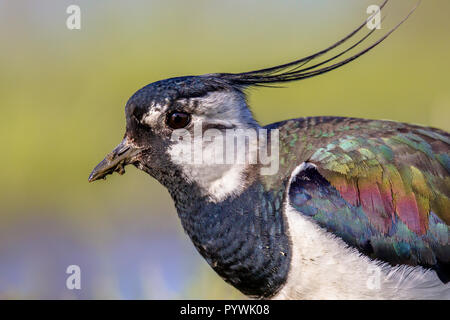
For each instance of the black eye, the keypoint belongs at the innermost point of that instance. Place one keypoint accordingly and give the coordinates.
(177, 120)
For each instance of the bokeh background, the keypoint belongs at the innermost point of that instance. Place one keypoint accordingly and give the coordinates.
(62, 98)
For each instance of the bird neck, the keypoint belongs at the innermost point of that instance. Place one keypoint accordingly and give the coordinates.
(243, 238)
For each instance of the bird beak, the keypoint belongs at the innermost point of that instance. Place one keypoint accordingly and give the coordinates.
(122, 155)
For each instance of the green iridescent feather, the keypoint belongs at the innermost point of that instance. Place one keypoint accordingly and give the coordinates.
(385, 184)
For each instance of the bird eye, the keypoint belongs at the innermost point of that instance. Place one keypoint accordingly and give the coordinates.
(177, 120)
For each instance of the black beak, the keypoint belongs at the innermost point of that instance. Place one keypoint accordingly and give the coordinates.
(122, 155)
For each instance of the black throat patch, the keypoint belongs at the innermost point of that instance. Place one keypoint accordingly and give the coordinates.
(244, 239)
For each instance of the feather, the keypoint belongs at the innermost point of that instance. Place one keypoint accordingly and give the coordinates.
(378, 185)
(295, 70)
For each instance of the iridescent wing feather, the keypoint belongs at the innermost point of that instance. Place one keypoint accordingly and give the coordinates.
(383, 187)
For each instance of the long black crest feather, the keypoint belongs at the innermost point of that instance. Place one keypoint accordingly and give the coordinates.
(295, 70)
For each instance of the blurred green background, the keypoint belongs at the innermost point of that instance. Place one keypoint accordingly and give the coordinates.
(62, 98)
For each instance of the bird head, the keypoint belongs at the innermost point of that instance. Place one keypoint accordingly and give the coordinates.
(161, 111)
(157, 113)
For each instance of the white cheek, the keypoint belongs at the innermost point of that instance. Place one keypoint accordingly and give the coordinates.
(180, 151)
(218, 181)
(230, 183)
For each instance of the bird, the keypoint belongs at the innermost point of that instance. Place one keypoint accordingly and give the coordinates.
(353, 208)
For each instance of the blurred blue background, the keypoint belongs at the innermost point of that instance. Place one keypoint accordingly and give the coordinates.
(62, 96)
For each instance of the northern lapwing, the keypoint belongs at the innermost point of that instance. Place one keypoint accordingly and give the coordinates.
(354, 208)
